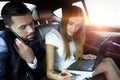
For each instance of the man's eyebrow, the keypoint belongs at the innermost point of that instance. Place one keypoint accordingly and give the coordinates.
(22, 26)
(26, 24)
(32, 21)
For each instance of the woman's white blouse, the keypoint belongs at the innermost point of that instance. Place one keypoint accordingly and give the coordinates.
(54, 38)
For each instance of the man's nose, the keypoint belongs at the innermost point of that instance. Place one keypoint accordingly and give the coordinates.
(30, 28)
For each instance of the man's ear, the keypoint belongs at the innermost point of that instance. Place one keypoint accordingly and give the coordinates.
(7, 26)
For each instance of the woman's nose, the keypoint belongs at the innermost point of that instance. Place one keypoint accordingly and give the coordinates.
(73, 28)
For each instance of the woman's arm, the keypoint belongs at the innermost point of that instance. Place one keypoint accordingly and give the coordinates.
(50, 51)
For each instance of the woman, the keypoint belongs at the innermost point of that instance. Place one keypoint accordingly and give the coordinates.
(65, 46)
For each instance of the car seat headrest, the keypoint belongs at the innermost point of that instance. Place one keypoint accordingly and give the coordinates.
(44, 15)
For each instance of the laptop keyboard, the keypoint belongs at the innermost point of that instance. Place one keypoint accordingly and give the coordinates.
(86, 65)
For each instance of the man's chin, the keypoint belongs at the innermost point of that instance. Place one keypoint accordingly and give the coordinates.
(30, 39)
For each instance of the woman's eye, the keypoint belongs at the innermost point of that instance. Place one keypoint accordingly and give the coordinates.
(70, 23)
(78, 25)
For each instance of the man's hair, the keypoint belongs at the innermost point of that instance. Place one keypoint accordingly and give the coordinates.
(13, 8)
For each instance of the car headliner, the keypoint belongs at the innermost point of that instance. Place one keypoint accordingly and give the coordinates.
(48, 4)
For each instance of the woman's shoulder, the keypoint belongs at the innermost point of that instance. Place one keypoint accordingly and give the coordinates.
(53, 37)
(53, 33)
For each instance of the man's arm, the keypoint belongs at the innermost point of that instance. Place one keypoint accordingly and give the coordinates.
(34, 64)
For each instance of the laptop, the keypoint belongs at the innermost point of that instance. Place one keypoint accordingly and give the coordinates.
(83, 65)
(86, 65)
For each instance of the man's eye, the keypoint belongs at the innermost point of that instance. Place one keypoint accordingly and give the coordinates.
(22, 27)
(32, 23)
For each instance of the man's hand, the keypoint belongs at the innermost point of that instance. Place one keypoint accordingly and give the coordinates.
(24, 51)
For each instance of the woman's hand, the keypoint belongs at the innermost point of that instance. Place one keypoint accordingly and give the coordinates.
(65, 71)
(89, 56)
(65, 75)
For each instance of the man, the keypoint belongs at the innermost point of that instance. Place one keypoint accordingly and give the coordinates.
(21, 52)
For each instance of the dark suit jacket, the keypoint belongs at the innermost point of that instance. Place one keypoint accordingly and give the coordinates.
(12, 66)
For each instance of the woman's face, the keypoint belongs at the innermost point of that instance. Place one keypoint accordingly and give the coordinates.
(74, 24)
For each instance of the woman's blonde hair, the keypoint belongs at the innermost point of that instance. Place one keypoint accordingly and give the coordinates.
(79, 37)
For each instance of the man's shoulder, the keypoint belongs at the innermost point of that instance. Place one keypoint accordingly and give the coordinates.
(2, 33)
(3, 44)
(4, 38)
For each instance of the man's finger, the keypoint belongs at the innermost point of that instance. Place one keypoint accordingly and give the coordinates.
(19, 43)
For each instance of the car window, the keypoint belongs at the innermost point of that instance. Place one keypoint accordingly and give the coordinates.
(104, 12)
(80, 4)
(58, 12)
(101, 12)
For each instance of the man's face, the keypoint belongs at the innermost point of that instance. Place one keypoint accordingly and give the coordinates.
(23, 26)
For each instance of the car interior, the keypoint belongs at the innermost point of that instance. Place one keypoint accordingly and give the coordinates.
(100, 38)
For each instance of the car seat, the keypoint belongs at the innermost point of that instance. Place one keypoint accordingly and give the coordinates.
(47, 21)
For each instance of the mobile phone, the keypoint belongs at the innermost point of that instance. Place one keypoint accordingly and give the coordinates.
(74, 74)
(15, 35)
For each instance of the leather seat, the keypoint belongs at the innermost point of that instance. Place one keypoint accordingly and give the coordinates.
(46, 16)
(48, 21)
